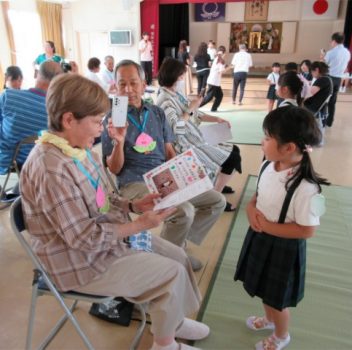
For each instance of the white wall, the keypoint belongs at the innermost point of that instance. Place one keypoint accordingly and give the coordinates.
(86, 29)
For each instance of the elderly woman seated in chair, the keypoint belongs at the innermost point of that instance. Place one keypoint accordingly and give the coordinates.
(221, 162)
(82, 233)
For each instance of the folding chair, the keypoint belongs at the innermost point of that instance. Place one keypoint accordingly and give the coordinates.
(13, 167)
(42, 285)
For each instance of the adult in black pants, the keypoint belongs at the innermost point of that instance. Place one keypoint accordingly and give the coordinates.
(203, 67)
(337, 59)
(241, 61)
(214, 80)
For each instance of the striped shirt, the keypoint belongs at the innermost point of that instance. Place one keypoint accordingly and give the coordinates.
(22, 114)
(73, 240)
(174, 105)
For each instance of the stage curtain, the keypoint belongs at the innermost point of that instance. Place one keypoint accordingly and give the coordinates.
(51, 24)
(5, 8)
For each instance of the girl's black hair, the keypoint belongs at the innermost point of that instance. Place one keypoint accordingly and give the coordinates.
(170, 70)
(14, 73)
(276, 64)
(308, 63)
(296, 125)
(293, 83)
(322, 66)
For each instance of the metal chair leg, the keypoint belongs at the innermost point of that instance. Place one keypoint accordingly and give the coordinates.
(141, 327)
(31, 317)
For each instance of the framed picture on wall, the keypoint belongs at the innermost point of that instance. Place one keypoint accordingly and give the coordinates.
(260, 37)
(256, 10)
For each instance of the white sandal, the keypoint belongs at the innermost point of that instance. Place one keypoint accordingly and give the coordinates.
(252, 322)
(273, 343)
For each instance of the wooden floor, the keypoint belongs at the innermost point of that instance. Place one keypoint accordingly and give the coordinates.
(334, 161)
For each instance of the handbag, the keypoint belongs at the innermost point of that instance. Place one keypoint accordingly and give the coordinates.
(117, 310)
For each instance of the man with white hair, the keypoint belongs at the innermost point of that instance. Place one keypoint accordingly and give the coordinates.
(241, 61)
(107, 74)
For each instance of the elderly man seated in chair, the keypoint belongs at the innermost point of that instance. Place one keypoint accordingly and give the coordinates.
(193, 219)
(22, 114)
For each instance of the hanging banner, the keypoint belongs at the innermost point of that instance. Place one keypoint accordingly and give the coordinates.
(209, 11)
(150, 24)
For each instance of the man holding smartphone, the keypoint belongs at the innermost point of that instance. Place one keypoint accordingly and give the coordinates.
(126, 158)
(146, 50)
(337, 59)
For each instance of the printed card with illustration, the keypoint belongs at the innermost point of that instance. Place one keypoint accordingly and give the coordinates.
(178, 180)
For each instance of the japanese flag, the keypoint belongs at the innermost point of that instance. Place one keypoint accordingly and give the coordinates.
(320, 9)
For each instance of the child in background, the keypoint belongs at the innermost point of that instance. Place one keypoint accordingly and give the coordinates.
(289, 89)
(283, 213)
(214, 80)
(13, 78)
(272, 79)
(306, 70)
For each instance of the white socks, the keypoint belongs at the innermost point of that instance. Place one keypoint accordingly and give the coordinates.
(192, 330)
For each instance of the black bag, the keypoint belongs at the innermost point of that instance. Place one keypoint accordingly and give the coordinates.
(118, 310)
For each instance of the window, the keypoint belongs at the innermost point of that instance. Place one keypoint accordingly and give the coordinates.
(28, 42)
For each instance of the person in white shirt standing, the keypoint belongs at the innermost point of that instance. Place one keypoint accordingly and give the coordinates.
(146, 50)
(211, 50)
(337, 59)
(241, 61)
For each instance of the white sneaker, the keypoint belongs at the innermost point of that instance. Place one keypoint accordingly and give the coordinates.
(192, 330)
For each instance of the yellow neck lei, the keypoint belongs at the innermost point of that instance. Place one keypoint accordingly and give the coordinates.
(62, 144)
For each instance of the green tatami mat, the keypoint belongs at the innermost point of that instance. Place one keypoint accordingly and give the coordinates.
(323, 319)
(246, 126)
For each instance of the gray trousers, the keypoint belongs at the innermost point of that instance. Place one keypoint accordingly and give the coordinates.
(163, 279)
(239, 79)
(192, 220)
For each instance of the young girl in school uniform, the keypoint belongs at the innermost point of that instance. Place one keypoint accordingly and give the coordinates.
(289, 88)
(282, 214)
(272, 79)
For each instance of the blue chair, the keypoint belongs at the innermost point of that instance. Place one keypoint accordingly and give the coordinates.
(42, 285)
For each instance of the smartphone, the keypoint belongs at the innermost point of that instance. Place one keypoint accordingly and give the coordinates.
(119, 110)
